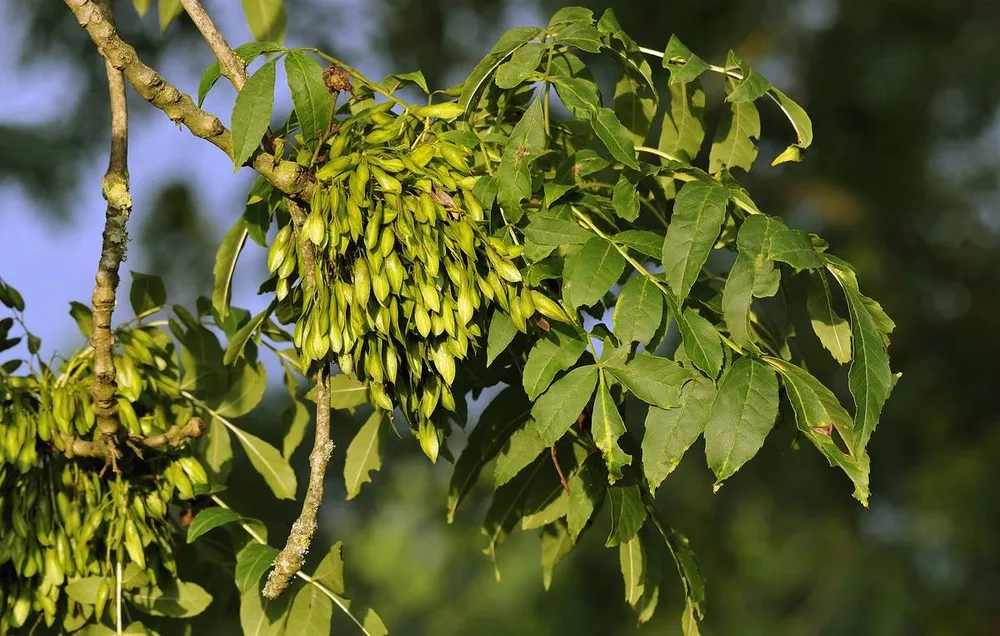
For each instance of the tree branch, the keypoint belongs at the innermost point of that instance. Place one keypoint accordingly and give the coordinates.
(287, 176)
(230, 64)
(289, 561)
(172, 438)
(115, 188)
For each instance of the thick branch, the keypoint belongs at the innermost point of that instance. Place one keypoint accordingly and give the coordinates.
(305, 245)
(286, 176)
(115, 187)
(289, 561)
(230, 64)
(172, 438)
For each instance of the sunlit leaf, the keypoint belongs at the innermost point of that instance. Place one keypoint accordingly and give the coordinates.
(364, 454)
(252, 112)
(669, 433)
(699, 211)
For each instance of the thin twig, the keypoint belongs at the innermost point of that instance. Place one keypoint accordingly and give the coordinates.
(230, 64)
(290, 560)
(559, 470)
(172, 438)
(115, 187)
(287, 176)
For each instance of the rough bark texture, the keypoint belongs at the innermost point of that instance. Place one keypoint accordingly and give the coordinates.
(173, 437)
(289, 561)
(286, 176)
(230, 64)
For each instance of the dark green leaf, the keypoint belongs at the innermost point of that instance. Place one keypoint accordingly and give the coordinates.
(504, 47)
(176, 599)
(582, 35)
(225, 266)
(734, 143)
(248, 382)
(260, 616)
(147, 294)
(687, 567)
(556, 410)
(507, 506)
(548, 230)
(742, 415)
(209, 519)
(310, 96)
(505, 414)
(83, 317)
(701, 341)
(310, 613)
(234, 350)
(251, 563)
(699, 212)
(527, 140)
(645, 242)
(579, 95)
(834, 332)
(521, 449)
(683, 129)
(572, 14)
(606, 427)
(635, 104)
(252, 112)
(654, 380)
(590, 272)
(216, 449)
(628, 513)
(751, 267)
(795, 248)
(10, 297)
(615, 136)
(520, 66)
(501, 333)
(626, 195)
(294, 421)
(561, 347)
(639, 310)
(247, 52)
(670, 433)
(364, 454)
(870, 378)
(330, 571)
(267, 461)
(266, 19)
(556, 543)
(587, 488)
(395, 80)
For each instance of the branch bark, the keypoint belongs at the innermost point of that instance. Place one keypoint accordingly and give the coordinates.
(230, 64)
(115, 187)
(287, 176)
(289, 561)
(98, 449)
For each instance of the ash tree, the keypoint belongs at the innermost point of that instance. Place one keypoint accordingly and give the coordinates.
(520, 230)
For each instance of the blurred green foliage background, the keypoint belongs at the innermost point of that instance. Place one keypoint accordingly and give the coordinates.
(902, 179)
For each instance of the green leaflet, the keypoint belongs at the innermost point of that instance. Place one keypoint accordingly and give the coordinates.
(870, 378)
(225, 265)
(614, 135)
(506, 45)
(520, 66)
(639, 560)
(800, 122)
(310, 96)
(834, 332)
(701, 341)
(795, 248)
(628, 513)
(556, 543)
(507, 507)
(748, 89)
(260, 616)
(669, 433)
(683, 129)
(587, 488)
(579, 95)
(294, 421)
(175, 599)
(625, 197)
(501, 333)
(751, 270)
(699, 211)
(734, 143)
(527, 140)
(310, 613)
(346, 393)
(655, 380)
(818, 414)
(548, 230)
(590, 272)
(364, 454)
(168, 12)
(247, 384)
(607, 426)
(234, 350)
(684, 65)
(521, 449)
(556, 410)
(645, 242)
(742, 415)
(393, 81)
(266, 19)
(252, 113)
(267, 461)
(639, 310)
(505, 414)
(247, 52)
(559, 349)
(635, 104)
(209, 519)
(147, 294)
